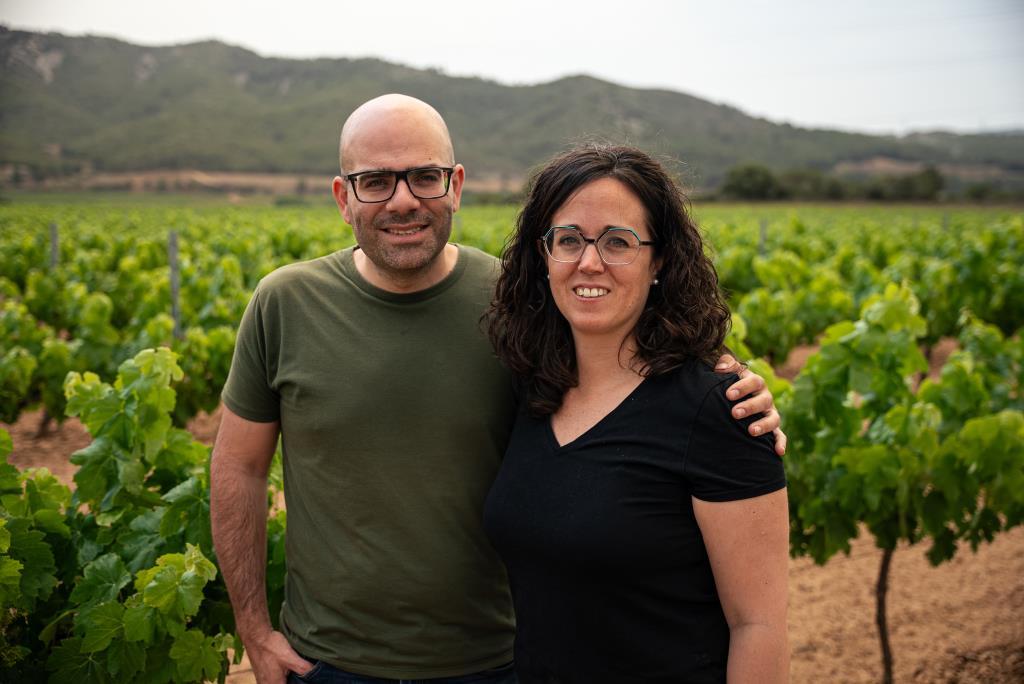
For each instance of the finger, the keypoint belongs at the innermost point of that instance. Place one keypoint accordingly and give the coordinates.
(299, 665)
(780, 442)
(759, 403)
(744, 386)
(295, 662)
(768, 422)
(727, 363)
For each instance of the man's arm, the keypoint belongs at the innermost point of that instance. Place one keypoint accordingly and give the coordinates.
(748, 546)
(238, 514)
(760, 400)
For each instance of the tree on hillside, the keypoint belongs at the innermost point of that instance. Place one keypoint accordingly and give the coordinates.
(811, 184)
(752, 182)
(924, 185)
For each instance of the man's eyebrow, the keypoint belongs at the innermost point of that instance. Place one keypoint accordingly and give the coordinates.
(411, 168)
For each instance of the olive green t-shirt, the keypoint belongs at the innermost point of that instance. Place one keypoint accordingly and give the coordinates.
(394, 416)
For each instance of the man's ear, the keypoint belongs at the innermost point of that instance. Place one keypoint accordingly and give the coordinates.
(455, 187)
(339, 188)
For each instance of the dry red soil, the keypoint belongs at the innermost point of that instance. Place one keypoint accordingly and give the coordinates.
(960, 622)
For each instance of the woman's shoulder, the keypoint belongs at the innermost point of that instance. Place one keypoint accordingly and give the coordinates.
(723, 460)
(699, 387)
(696, 379)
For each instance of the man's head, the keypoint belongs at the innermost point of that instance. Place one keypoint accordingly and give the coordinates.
(404, 236)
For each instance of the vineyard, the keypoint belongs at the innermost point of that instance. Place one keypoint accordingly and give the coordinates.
(125, 319)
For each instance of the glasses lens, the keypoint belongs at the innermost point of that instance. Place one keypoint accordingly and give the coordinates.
(376, 186)
(618, 246)
(564, 244)
(428, 183)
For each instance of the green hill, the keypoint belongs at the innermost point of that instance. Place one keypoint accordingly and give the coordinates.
(72, 103)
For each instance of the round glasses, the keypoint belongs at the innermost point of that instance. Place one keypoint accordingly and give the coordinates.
(426, 182)
(617, 246)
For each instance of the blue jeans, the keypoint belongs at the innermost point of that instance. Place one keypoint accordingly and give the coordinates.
(322, 673)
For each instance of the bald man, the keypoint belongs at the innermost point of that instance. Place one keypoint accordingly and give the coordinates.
(393, 413)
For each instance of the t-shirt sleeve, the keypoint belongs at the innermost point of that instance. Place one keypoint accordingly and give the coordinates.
(248, 391)
(725, 463)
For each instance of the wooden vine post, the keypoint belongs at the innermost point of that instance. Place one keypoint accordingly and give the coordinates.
(172, 262)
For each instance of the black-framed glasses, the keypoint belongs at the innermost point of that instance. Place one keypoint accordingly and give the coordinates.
(424, 182)
(617, 245)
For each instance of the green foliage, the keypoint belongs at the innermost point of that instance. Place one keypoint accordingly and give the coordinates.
(115, 582)
(755, 182)
(112, 582)
(109, 296)
(752, 182)
(867, 448)
(923, 185)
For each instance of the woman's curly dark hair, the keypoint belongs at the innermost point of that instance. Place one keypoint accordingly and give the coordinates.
(685, 315)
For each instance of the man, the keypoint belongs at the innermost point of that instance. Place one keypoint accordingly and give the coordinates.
(393, 413)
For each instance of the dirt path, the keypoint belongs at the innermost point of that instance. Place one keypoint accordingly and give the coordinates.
(961, 622)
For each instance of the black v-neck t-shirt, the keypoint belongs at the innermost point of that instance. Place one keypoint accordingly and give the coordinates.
(610, 578)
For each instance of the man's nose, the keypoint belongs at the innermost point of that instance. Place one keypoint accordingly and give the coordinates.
(403, 197)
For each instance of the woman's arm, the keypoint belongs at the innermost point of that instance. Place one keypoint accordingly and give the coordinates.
(748, 545)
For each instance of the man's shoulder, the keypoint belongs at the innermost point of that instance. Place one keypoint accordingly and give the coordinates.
(479, 263)
(476, 255)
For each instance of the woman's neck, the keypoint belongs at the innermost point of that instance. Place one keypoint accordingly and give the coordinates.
(603, 361)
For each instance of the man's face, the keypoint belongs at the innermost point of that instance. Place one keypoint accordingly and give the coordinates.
(404, 236)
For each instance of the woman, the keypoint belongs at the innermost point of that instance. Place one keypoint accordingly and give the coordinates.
(645, 533)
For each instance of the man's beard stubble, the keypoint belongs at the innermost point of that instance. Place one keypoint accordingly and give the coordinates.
(405, 260)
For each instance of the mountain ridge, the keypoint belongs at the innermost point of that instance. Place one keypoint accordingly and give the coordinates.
(92, 103)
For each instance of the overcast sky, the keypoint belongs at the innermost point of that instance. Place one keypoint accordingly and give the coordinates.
(875, 66)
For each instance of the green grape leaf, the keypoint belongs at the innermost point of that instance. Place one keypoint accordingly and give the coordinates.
(196, 657)
(104, 578)
(16, 370)
(45, 491)
(5, 536)
(6, 445)
(189, 512)
(92, 400)
(196, 562)
(139, 622)
(141, 542)
(181, 453)
(10, 580)
(108, 518)
(10, 482)
(100, 624)
(171, 588)
(37, 575)
(97, 469)
(88, 548)
(15, 505)
(71, 665)
(48, 633)
(125, 659)
(225, 642)
(943, 546)
(52, 521)
(131, 474)
(160, 667)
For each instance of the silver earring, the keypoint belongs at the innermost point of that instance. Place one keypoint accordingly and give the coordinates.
(655, 282)
(548, 276)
